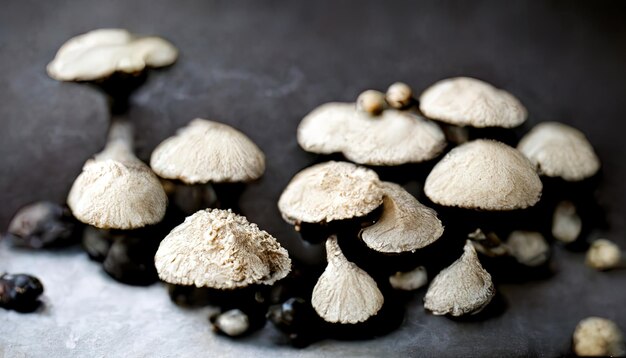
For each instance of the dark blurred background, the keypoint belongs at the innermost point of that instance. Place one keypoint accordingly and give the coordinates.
(262, 65)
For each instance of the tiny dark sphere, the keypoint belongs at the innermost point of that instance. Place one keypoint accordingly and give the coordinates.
(20, 292)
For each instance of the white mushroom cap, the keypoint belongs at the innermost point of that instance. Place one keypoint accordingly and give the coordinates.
(405, 224)
(528, 247)
(99, 53)
(399, 95)
(484, 174)
(409, 281)
(330, 191)
(461, 288)
(345, 293)
(232, 322)
(208, 151)
(598, 337)
(559, 150)
(603, 255)
(566, 224)
(219, 249)
(371, 102)
(392, 138)
(465, 101)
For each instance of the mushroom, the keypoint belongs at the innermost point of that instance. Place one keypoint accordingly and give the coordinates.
(464, 287)
(371, 102)
(232, 323)
(219, 249)
(528, 247)
(99, 53)
(603, 255)
(330, 191)
(399, 95)
(558, 150)
(405, 224)
(487, 244)
(566, 224)
(484, 174)
(392, 138)
(409, 281)
(345, 293)
(43, 224)
(598, 337)
(115, 189)
(20, 292)
(465, 101)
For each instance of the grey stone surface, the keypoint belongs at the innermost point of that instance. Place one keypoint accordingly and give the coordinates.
(261, 66)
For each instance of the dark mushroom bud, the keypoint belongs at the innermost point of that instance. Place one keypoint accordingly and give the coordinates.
(43, 224)
(96, 243)
(130, 260)
(20, 292)
(372, 102)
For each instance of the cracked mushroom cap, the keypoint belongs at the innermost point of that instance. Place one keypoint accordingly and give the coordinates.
(558, 150)
(207, 151)
(330, 191)
(405, 224)
(392, 138)
(345, 293)
(464, 287)
(486, 175)
(219, 249)
(465, 101)
(112, 194)
(99, 53)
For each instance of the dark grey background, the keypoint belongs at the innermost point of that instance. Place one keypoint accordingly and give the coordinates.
(262, 65)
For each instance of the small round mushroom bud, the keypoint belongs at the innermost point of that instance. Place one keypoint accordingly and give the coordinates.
(399, 95)
(598, 337)
(566, 224)
(345, 293)
(603, 255)
(371, 101)
(528, 248)
(42, 224)
(409, 281)
(232, 323)
(20, 292)
(464, 287)
(130, 261)
(487, 244)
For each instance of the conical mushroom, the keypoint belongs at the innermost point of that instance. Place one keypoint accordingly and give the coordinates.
(462, 288)
(115, 189)
(405, 224)
(559, 150)
(484, 174)
(345, 293)
(330, 191)
(465, 101)
(219, 249)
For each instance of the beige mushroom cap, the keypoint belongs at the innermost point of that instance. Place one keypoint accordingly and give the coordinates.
(559, 150)
(409, 281)
(465, 101)
(330, 191)
(598, 337)
(528, 247)
(392, 138)
(484, 174)
(405, 224)
(99, 53)
(603, 255)
(208, 151)
(219, 249)
(345, 293)
(461, 288)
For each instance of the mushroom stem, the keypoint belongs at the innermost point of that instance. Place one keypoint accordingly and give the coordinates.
(119, 145)
(333, 252)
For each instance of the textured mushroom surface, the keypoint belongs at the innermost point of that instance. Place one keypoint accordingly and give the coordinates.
(99, 53)
(465, 101)
(219, 249)
(345, 293)
(405, 224)
(559, 150)
(598, 337)
(484, 174)
(330, 191)
(409, 281)
(208, 151)
(392, 138)
(603, 255)
(528, 247)
(464, 287)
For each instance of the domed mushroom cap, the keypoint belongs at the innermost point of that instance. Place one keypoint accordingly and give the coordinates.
(463, 287)
(559, 150)
(111, 194)
(465, 101)
(330, 191)
(345, 293)
(219, 249)
(405, 224)
(392, 138)
(208, 151)
(598, 337)
(99, 53)
(484, 174)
